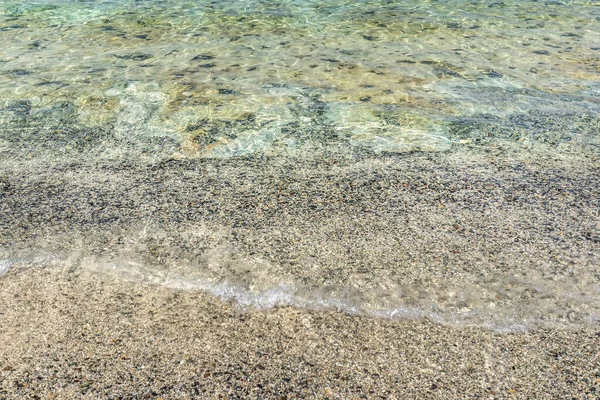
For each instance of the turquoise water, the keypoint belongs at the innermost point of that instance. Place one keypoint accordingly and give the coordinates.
(218, 80)
(233, 94)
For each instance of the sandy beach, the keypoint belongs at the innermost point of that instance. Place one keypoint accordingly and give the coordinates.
(73, 326)
(80, 335)
(287, 199)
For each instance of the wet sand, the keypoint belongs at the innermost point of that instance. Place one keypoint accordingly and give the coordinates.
(70, 328)
(82, 335)
(503, 240)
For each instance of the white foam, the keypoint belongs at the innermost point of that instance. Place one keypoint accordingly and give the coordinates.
(286, 295)
(5, 266)
(289, 294)
(281, 295)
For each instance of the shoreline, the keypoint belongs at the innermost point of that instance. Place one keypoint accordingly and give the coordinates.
(72, 334)
(299, 199)
(498, 237)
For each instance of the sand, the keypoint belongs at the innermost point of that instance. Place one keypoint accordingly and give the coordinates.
(298, 200)
(84, 335)
(72, 326)
(508, 240)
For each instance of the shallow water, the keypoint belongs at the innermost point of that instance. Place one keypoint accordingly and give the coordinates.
(396, 158)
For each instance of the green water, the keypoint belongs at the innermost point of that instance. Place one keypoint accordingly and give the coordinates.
(211, 79)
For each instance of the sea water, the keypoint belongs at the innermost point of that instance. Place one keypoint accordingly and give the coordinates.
(419, 159)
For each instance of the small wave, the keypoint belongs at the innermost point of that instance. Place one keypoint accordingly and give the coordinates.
(291, 296)
(320, 299)
(559, 311)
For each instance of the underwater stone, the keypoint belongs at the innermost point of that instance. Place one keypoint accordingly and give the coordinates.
(134, 57)
(203, 57)
(227, 91)
(493, 74)
(6, 28)
(445, 71)
(20, 72)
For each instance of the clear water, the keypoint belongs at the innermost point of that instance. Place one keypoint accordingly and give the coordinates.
(141, 83)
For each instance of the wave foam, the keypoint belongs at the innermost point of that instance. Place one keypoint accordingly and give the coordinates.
(5, 266)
